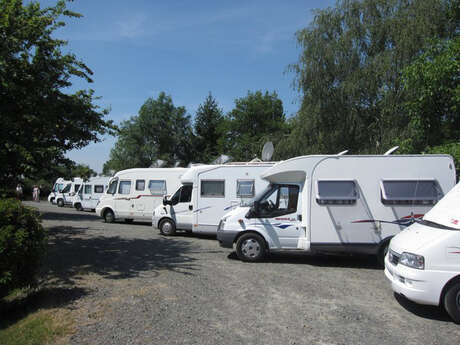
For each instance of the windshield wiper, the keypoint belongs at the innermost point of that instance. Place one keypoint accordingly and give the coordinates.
(435, 225)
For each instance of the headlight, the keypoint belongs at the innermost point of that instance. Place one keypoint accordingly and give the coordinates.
(412, 260)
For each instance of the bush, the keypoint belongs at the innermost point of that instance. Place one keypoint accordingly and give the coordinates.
(22, 245)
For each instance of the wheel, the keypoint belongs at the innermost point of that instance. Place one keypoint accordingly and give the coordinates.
(109, 217)
(250, 247)
(52, 200)
(382, 253)
(78, 207)
(128, 221)
(60, 203)
(452, 302)
(167, 227)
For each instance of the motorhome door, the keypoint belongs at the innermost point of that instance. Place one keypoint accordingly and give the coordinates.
(182, 208)
(124, 204)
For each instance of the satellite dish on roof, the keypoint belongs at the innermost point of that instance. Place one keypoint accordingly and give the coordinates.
(267, 151)
(158, 163)
(222, 159)
(390, 151)
(342, 153)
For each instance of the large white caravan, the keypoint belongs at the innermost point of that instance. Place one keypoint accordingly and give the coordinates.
(133, 194)
(206, 194)
(423, 261)
(89, 193)
(66, 195)
(57, 188)
(337, 203)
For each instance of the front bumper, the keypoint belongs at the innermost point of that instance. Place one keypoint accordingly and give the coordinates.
(226, 237)
(420, 286)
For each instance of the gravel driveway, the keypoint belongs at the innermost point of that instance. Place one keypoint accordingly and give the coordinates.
(130, 285)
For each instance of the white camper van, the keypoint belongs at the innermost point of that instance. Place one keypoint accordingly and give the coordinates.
(57, 188)
(66, 195)
(133, 194)
(206, 194)
(89, 193)
(423, 261)
(337, 203)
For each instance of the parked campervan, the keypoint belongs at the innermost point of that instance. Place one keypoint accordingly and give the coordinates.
(337, 203)
(66, 195)
(89, 193)
(423, 261)
(57, 188)
(206, 194)
(133, 194)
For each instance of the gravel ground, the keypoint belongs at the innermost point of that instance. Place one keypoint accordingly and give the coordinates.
(129, 285)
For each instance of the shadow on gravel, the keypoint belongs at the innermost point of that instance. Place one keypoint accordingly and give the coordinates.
(44, 298)
(186, 234)
(46, 215)
(425, 311)
(71, 254)
(320, 260)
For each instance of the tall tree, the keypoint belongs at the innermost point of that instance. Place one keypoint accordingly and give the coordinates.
(207, 125)
(349, 72)
(40, 122)
(161, 131)
(255, 119)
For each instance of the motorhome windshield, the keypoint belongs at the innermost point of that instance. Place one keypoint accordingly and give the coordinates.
(112, 186)
(278, 199)
(66, 188)
(183, 194)
(57, 187)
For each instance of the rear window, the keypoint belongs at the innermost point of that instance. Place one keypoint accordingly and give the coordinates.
(409, 192)
(336, 192)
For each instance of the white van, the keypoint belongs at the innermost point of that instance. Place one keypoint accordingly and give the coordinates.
(133, 194)
(66, 195)
(206, 194)
(89, 193)
(336, 203)
(423, 261)
(57, 188)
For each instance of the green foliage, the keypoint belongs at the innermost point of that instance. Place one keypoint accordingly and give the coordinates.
(255, 119)
(452, 149)
(160, 131)
(207, 126)
(349, 72)
(433, 96)
(39, 121)
(22, 245)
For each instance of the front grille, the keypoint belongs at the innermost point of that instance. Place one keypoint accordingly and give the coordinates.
(394, 257)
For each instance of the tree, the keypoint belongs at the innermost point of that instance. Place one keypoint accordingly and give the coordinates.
(160, 131)
(208, 121)
(40, 122)
(255, 119)
(349, 72)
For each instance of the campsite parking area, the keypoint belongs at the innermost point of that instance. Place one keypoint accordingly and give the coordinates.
(127, 284)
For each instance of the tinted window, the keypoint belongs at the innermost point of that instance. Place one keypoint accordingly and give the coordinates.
(186, 193)
(336, 192)
(245, 188)
(410, 192)
(124, 187)
(140, 184)
(77, 187)
(213, 189)
(98, 189)
(157, 187)
(113, 187)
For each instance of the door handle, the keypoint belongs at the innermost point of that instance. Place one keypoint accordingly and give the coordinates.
(190, 207)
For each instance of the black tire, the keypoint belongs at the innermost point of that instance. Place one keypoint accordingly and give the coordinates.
(452, 302)
(382, 253)
(128, 221)
(60, 203)
(78, 207)
(51, 200)
(109, 217)
(167, 227)
(251, 247)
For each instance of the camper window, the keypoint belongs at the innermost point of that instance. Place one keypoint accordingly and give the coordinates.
(113, 187)
(140, 184)
(98, 189)
(125, 187)
(245, 188)
(409, 192)
(213, 188)
(333, 192)
(87, 189)
(157, 187)
(281, 200)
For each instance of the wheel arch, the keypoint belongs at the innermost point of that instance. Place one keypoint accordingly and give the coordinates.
(447, 286)
(108, 208)
(162, 219)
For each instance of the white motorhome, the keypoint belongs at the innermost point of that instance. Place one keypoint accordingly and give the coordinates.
(89, 193)
(57, 188)
(133, 194)
(66, 195)
(423, 261)
(337, 203)
(206, 194)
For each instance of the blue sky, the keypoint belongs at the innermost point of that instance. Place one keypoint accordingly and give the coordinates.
(137, 49)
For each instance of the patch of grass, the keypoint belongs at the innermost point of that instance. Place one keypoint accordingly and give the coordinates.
(42, 327)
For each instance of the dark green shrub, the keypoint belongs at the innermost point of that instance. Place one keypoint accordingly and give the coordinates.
(22, 245)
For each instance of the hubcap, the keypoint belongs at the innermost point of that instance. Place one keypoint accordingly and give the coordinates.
(250, 248)
(167, 227)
